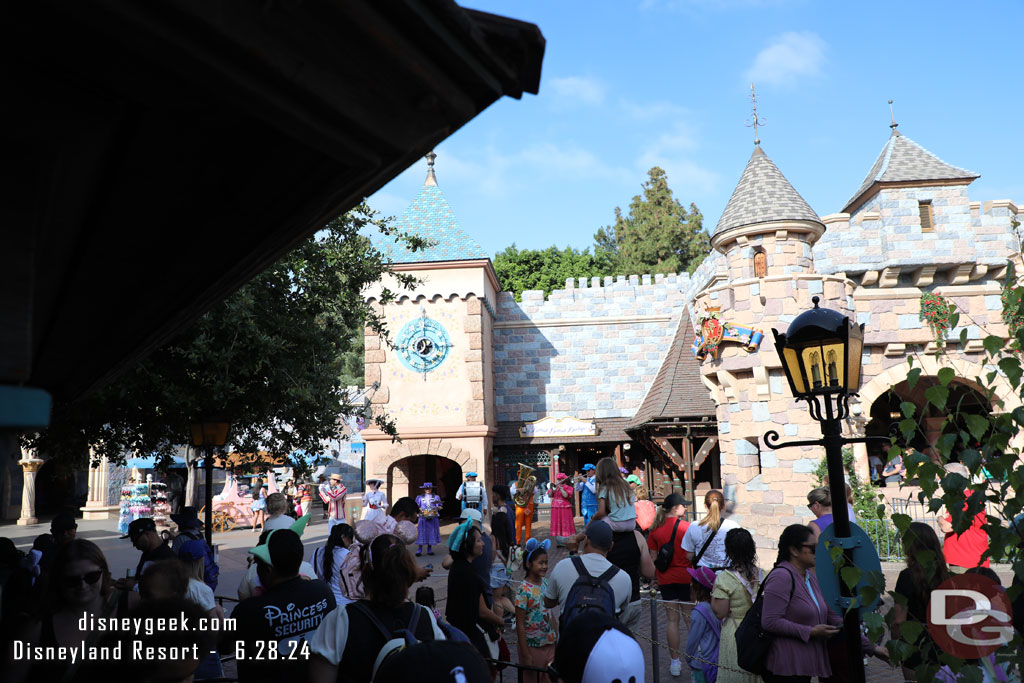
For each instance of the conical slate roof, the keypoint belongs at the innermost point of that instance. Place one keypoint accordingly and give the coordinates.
(903, 160)
(763, 195)
(677, 390)
(429, 216)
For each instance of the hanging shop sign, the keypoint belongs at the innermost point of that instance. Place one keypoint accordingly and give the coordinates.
(558, 426)
(712, 330)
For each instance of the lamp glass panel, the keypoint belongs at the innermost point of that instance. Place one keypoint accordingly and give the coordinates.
(854, 353)
(824, 365)
(793, 369)
(197, 433)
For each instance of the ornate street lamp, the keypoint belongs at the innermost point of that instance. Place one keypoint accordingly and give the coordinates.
(821, 356)
(208, 434)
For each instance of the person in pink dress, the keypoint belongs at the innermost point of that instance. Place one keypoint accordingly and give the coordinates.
(562, 523)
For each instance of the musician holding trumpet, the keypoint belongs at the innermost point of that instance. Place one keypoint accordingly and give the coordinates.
(429, 525)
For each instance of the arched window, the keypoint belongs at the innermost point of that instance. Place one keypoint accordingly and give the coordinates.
(760, 264)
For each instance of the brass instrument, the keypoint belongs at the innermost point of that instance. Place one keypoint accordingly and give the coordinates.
(525, 485)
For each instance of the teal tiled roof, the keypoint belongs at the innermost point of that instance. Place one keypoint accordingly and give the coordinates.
(431, 217)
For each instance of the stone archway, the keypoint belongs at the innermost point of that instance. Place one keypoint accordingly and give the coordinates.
(966, 373)
(395, 463)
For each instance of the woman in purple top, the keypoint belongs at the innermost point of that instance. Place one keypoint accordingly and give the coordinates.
(796, 613)
(819, 502)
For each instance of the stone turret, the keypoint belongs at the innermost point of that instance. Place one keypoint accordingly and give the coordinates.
(767, 228)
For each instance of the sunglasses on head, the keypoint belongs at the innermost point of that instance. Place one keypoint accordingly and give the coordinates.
(90, 578)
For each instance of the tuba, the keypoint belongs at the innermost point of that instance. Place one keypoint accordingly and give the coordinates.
(525, 485)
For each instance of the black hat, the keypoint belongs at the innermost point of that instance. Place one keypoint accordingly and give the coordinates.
(64, 521)
(188, 518)
(140, 526)
(436, 661)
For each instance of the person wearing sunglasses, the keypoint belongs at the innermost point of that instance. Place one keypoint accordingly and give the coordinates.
(796, 613)
(79, 585)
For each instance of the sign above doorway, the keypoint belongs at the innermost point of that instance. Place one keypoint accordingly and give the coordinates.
(558, 426)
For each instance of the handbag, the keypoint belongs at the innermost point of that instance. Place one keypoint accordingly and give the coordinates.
(752, 640)
(665, 553)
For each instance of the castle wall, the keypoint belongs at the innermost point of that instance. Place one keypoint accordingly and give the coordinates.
(589, 351)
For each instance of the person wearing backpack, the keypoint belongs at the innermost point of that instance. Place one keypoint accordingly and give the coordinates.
(670, 564)
(585, 582)
(705, 631)
(732, 595)
(347, 645)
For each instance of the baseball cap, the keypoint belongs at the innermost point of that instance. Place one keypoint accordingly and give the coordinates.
(599, 534)
(140, 526)
(596, 650)
(192, 550)
(283, 550)
(588, 467)
(470, 513)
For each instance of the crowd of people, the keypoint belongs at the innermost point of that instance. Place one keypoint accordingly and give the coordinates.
(358, 611)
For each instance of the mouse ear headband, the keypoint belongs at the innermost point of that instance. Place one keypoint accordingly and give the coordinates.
(533, 545)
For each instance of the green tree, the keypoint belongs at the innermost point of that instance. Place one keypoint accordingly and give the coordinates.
(273, 359)
(521, 269)
(659, 235)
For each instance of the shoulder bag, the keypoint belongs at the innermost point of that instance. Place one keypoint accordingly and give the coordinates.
(665, 553)
(752, 640)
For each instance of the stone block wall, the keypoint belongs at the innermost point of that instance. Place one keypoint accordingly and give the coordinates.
(590, 350)
(886, 231)
(785, 253)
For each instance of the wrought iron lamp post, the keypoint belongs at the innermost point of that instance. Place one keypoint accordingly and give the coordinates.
(821, 356)
(209, 434)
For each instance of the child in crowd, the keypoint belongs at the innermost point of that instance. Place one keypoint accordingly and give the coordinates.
(500, 573)
(705, 628)
(425, 597)
(615, 498)
(535, 628)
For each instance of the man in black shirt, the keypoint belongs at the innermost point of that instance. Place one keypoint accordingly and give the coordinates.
(270, 642)
(144, 536)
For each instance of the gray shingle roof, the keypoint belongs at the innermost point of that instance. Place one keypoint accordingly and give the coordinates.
(903, 160)
(431, 217)
(763, 195)
(677, 390)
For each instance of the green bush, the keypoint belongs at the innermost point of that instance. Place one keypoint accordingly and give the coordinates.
(866, 502)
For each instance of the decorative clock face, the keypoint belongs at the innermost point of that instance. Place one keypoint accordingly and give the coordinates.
(423, 344)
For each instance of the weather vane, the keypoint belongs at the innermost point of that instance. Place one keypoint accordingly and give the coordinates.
(892, 116)
(754, 121)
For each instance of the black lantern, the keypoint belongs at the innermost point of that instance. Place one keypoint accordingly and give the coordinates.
(821, 353)
(206, 435)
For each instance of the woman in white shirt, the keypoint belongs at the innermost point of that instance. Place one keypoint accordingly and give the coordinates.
(712, 527)
(327, 558)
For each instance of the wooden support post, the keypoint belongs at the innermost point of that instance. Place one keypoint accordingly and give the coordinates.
(691, 487)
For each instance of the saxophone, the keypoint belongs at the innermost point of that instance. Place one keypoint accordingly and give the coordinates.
(525, 485)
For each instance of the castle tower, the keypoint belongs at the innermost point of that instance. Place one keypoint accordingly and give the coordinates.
(766, 234)
(437, 382)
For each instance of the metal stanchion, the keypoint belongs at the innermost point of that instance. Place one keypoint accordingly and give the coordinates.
(656, 660)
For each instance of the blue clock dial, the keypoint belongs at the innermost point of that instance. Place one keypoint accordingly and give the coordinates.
(423, 344)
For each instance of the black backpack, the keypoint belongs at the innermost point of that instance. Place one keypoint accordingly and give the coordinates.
(752, 641)
(588, 593)
(393, 640)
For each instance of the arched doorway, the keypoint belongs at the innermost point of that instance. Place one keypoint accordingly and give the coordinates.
(407, 475)
(56, 489)
(963, 400)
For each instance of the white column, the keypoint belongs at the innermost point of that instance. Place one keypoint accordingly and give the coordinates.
(29, 468)
(99, 479)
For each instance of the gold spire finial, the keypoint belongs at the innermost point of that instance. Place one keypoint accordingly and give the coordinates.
(892, 117)
(431, 178)
(754, 120)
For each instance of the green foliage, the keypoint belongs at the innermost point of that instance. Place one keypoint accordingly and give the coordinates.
(658, 235)
(273, 359)
(520, 270)
(988, 446)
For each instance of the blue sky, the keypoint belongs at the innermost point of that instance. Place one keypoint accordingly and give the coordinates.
(628, 85)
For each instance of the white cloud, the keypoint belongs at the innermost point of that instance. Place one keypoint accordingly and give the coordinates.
(577, 89)
(790, 57)
(672, 151)
(648, 111)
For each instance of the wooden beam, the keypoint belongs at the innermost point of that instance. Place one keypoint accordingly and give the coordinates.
(705, 449)
(691, 486)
